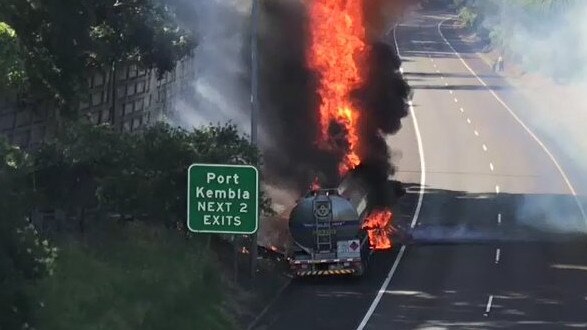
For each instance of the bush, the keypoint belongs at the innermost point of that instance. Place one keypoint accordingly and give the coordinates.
(142, 176)
(24, 258)
(468, 16)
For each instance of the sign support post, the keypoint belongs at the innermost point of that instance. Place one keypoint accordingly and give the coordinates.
(254, 108)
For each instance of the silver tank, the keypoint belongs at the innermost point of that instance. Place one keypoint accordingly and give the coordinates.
(348, 207)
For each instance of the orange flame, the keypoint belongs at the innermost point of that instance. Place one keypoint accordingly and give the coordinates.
(378, 226)
(337, 49)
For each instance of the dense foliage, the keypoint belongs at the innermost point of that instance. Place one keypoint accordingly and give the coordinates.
(12, 75)
(140, 176)
(24, 257)
(537, 35)
(95, 174)
(60, 40)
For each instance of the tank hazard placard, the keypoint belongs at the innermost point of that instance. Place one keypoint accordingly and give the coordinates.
(223, 199)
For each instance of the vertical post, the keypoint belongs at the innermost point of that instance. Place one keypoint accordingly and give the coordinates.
(112, 112)
(254, 107)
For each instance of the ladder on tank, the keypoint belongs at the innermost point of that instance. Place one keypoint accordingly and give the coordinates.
(323, 216)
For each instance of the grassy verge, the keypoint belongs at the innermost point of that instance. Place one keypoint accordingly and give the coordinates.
(139, 277)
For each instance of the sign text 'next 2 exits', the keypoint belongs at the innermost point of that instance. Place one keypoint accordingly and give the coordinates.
(223, 199)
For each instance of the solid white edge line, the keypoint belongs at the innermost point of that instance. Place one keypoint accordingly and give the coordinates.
(416, 213)
(526, 128)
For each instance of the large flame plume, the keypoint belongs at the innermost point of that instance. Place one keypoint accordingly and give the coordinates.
(338, 52)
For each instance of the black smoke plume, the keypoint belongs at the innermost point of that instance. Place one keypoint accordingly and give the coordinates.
(290, 101)
(290, 107)
(383, 101)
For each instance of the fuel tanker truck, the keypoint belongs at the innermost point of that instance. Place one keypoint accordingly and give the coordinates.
(326, 227)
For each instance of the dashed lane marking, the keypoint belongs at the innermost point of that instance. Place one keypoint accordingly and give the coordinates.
(497, 255)
(489, 302)
(520, 122)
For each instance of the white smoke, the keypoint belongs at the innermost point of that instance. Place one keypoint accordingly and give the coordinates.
(219, 89)
(550, 52)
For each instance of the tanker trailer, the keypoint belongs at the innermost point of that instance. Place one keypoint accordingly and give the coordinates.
(326, 229)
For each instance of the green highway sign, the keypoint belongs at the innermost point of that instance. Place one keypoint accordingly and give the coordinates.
(223, 199)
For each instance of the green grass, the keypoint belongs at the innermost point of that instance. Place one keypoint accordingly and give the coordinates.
(136, 277)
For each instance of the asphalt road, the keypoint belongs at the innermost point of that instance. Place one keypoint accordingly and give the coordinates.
(491, 250)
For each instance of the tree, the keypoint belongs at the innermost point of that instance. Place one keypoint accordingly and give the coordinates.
(142, 176)
(61, 40)
(12, 75)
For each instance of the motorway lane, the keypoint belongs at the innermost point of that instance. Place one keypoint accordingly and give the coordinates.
(487, 178)
(341, 302)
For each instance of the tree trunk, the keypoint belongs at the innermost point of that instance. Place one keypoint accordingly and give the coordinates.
(82, 219)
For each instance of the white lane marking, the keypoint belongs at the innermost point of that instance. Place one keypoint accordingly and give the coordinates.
(526, 128)
(462, 110)
(499, 218)
(442, 77)
(445, 84)
(491, 167)
(450, 91)
(497, 255)
(468, 120)
(416, 213)
(437, 71)
(484, 147)
(456, 100)
(476, 132)
(497, 189)
(489, 302)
